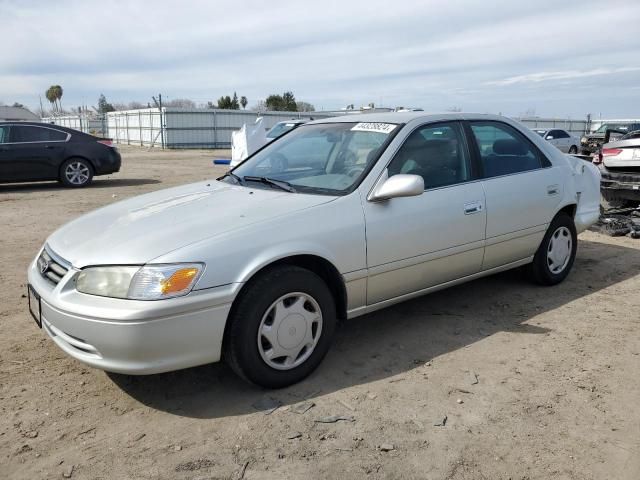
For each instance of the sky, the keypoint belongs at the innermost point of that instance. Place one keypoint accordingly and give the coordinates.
(552, 58)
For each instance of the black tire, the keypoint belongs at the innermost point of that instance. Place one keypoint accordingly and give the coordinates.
(241, 350)
(81, 167)
(573, 150)
(539, 269)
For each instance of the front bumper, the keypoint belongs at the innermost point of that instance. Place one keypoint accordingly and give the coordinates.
(134, 337)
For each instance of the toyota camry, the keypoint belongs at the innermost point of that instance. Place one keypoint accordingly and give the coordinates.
(336, 219)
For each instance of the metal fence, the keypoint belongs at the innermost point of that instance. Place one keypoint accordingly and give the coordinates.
(193, 128)
(211, 128)
(576, 127)
(84, 123)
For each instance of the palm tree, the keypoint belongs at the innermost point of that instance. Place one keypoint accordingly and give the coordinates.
(58, 93)
(51, 96)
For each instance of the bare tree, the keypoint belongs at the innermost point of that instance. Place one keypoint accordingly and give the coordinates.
(180, 103)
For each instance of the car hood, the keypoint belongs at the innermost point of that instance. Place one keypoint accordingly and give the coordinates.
(137, 230)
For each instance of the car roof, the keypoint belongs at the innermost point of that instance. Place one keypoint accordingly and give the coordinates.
(406, 117)
(43, 124)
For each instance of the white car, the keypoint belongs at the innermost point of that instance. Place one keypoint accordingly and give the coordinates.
(563, 140)
(619, 163)
(336, 219)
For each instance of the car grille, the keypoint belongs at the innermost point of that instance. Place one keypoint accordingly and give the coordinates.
(51, 267)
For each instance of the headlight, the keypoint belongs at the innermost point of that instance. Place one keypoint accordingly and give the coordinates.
(151, 282)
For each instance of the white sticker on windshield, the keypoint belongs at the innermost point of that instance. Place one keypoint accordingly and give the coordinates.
(374, 127)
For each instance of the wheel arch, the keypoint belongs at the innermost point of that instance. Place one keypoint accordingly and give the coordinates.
(570, 209)
(91, 163)
(312, 262)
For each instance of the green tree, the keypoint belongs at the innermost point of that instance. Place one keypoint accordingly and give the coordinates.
(282, 103)
(224, 102)
(243, 102)
(103, 105)
(17, 105)
(54, 95)
(57, 90)
(228, 103)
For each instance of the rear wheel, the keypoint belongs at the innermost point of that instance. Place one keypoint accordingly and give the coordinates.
(76, 173)
(573, 149)
(557, 252)
(281, 327)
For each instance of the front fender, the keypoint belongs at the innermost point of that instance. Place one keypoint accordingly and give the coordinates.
(333, 231)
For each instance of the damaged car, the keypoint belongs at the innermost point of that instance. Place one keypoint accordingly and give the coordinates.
(619, 164)
(590, 143)
(339, 218)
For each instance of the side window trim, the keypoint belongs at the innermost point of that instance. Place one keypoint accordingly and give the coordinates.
(545, 162)
(475, 172)
(68, 135)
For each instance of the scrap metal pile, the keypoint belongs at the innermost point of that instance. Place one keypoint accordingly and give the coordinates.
(619, 222)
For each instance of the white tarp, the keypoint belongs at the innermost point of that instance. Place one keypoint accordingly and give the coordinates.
(247, 140)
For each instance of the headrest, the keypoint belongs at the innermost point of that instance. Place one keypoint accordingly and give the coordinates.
(509, 146)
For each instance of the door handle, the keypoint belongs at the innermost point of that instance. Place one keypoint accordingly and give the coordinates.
(552, 189)
(472, 207)
(48, 147)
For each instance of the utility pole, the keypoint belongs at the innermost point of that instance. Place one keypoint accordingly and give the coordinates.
(159, 106)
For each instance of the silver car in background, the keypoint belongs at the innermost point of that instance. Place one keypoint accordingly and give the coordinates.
(336, 219)
(561, 139)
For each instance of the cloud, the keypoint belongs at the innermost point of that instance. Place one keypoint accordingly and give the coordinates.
(563, 75)
(497, 56)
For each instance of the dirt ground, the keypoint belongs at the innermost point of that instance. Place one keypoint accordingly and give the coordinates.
(494, 379)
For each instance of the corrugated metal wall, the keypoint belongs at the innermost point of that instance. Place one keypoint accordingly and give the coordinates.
(211, 128)
(197, 128)
(576, 127)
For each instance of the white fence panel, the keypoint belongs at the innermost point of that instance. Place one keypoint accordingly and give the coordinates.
(211, 128)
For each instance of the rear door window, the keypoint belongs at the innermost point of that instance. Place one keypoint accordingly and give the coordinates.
(4, 134)
(28, 133)
(504, 150)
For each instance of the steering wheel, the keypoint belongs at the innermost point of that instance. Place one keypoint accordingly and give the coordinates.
(279, 163)
(353, 172)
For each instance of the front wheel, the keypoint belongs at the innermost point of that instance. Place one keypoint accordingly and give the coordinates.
(557, 252)
(76, 173)
(281, 327)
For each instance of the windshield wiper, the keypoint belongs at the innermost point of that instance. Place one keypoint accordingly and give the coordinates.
(281, 184)
(232, 175)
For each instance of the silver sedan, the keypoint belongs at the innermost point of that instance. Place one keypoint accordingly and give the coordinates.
(334, 220)
(563, 140)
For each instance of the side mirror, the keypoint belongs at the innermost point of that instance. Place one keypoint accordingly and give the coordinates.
(549, 137)
(400, 185)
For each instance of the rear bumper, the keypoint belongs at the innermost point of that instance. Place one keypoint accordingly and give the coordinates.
(133, 337)
(111, 163)
(624, 185)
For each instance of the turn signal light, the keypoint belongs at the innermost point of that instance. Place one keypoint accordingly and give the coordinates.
(180, 280)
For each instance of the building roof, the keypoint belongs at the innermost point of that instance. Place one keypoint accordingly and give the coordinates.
(13, 114)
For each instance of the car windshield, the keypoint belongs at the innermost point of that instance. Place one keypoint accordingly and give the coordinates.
(612, 126)
(280, 129)
(631, 135)
(325, 158)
